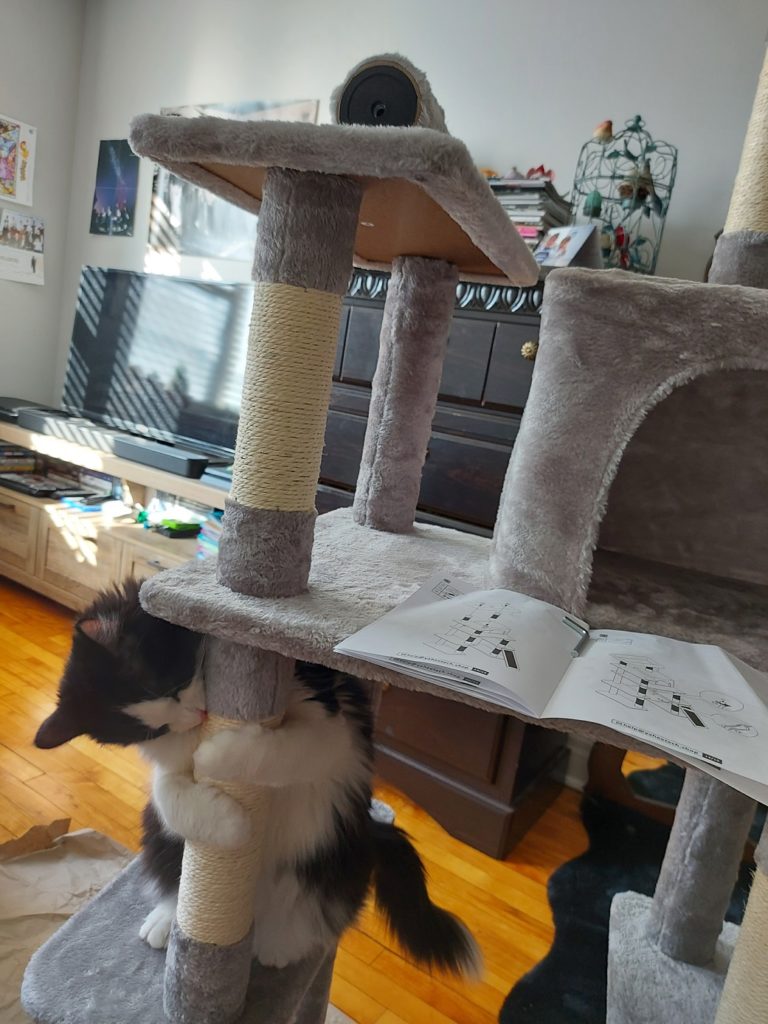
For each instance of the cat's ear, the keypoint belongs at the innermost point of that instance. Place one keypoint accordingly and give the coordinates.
(58, 728)
(102, 629)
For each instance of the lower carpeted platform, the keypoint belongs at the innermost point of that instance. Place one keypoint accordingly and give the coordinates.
(625, 854)
(96, 969)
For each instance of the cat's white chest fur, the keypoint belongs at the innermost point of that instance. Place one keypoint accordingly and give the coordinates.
(313, 763)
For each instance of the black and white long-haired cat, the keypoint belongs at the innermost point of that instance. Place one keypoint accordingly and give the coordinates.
(134, 679)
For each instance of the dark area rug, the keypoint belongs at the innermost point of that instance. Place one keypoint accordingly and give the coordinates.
(625, 853)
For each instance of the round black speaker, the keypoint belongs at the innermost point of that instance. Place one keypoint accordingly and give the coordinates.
(380, 94)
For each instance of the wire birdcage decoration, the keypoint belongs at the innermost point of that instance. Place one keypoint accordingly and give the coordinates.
(623, 184)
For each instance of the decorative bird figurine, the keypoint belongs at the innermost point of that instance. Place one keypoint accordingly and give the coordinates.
(603, 133)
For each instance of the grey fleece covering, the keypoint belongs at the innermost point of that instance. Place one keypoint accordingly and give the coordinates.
(205, 984)
(741, 257)
(96, 970)
(647, 987)
(700, 866)
(359, 574)
(716, 472)
(265, 551)
(591, 390)
(417, 320)
(436, 162)
(246, 682)
(307, 229)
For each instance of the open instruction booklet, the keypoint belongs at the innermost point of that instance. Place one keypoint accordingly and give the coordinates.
(694, 700)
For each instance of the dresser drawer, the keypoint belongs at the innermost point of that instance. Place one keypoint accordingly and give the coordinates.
(76, 554)
(18, 533)
(361, 348)
(466, 359)
(442, 733)
(462, 479)
(344, 439)
(142, 564)
(509, 373)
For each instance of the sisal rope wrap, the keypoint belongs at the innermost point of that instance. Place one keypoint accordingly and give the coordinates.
(749, 202)
(217, 889)
(286, 391)
(745, 996)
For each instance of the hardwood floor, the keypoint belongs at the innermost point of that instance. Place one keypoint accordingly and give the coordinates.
(504, 903)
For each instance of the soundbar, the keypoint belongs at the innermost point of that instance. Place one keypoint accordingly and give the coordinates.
(55, 423)
(180, 461)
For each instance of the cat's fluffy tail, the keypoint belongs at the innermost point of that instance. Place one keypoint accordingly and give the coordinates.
(429, 934)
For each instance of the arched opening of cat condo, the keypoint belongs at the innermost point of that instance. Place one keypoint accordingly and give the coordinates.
(683, 546)
(686, 525)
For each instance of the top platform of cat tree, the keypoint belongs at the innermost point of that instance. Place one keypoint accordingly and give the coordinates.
(422, 194)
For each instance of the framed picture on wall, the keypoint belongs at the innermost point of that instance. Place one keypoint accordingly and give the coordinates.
(187, 221)
(113, 210)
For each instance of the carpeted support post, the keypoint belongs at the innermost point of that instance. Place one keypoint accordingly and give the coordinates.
(303, 261)
(414, 333)
(705, 847)
(301, 268)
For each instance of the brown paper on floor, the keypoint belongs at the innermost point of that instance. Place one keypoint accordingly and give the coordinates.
(45, 876)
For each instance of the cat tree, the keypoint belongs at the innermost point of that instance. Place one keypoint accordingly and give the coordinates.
(288, 586)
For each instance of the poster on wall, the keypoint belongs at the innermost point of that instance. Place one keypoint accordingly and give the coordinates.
(18, 142)
(189, 221)
(114, 197)
(22, 242)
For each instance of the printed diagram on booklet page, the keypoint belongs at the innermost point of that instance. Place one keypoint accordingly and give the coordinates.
(639, 683)
(481, 631)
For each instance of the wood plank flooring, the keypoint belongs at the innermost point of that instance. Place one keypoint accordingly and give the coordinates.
(503, 902)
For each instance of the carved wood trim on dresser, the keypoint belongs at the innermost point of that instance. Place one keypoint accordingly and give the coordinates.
(484, 777)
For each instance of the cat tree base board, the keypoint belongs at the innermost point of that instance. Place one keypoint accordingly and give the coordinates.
(96, 969)
(644, 985)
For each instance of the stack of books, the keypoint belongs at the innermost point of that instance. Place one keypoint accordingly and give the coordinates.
(210, 535)
(14, 459)
(533, 205)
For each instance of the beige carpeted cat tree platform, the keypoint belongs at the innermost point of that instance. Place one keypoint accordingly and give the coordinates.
(287, 586)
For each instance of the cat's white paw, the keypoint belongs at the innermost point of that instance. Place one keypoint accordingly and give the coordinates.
(227, 823)
(156, 926)
(223, 755)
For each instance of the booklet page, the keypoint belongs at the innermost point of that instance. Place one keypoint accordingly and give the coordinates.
(506, 647)
(690, 698)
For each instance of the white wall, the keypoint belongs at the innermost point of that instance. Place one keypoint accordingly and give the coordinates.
(521, 83)
(39, 77)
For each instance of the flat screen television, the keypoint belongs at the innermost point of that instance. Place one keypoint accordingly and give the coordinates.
(159, 356)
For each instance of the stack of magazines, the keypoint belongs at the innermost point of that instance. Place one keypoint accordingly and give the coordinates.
(533, 205)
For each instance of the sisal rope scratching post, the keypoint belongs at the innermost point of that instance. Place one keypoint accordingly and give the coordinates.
(745, 995)
(302, 265)
(749, 201)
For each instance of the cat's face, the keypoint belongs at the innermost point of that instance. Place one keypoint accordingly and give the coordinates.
(129, 677)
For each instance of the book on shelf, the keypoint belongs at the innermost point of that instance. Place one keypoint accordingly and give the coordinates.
(695, 701)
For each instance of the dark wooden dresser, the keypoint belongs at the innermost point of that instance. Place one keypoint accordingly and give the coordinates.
(484, 777)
